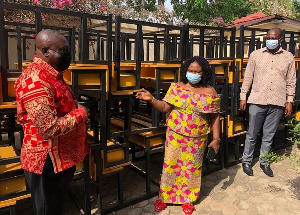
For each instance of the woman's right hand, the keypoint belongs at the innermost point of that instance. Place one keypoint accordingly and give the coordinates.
(144, 95)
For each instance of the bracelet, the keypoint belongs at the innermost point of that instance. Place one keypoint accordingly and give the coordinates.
(152, 100)
(217, 139)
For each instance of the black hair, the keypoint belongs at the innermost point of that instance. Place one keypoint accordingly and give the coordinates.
(206, 75)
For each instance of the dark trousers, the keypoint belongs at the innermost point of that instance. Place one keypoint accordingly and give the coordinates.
(48, 189)
(266, 117)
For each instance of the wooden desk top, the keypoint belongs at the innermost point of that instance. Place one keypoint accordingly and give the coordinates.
(8, 105)
(216, 62)
(88, 66)
(124, 92)
(76, 65)
(153, 65)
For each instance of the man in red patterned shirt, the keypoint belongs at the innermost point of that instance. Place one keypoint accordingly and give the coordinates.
(53, 123)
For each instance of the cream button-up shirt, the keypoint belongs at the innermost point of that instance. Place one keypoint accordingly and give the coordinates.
(272, 77)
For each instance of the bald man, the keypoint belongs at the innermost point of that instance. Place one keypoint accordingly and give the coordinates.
(272, 75)
(54, 126)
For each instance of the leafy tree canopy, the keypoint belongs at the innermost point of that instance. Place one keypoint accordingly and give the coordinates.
(208, 12)
(230, 9)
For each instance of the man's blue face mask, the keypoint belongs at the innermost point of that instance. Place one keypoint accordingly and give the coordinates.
(193, 78)
(272, 44)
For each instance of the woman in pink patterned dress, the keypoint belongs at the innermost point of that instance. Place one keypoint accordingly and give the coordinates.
(193, 107)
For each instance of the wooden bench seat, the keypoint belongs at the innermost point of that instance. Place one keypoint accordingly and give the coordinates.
(219, 61)
(127, 80)
(8, 105)
(12, 179)
(156, 137)
(8, 152)
(12, 185)
(13, 201)
(113, 155)
(14, 182)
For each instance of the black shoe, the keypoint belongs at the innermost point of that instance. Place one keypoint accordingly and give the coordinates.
(267, 170)
(247, 168)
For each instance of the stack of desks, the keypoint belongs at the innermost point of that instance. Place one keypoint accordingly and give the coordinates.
(106, 87)
(12, 180)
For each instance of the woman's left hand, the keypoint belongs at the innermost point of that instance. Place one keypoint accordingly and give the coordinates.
(215, 144)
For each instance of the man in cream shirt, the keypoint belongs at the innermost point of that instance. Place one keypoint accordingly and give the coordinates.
(271, 74)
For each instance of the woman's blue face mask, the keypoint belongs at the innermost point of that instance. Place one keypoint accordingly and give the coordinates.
(193, 78)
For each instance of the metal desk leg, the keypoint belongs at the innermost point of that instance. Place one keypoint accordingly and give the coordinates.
(148, 175)
(120, 188)
(87, 185)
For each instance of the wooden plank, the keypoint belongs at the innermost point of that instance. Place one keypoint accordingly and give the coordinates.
(8, 152)
(119, 123)
(12, 185)
(113, 155)
(8, 105)
(216, 61)
(13, 201)
(124, 92)
(140, 139)
(116, 168)
(129, 64)
(76, 66)
(87, 67)
(102, 66)
(234, 127)
(237, 134)
(164, 65)
(127, 80)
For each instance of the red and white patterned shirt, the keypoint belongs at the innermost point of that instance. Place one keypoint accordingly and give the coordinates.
(51, 122)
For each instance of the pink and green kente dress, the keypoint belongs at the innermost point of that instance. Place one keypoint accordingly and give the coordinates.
(188, 125)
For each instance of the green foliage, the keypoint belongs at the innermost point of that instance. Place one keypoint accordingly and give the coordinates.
(150, 5)
(178, 7)
(272, 157)
(294, 130)
(194, 11)
(296, 12)
(295, 161)
(282, 7)
(206, 12)
(198, 11)
(264, 6)
(230, 9)
(139, 5)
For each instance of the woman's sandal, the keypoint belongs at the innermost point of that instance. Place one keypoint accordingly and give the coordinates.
(159, 205)
(188, 208)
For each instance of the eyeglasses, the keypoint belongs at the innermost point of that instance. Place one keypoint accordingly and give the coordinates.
(195, 72)
(60, 51)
